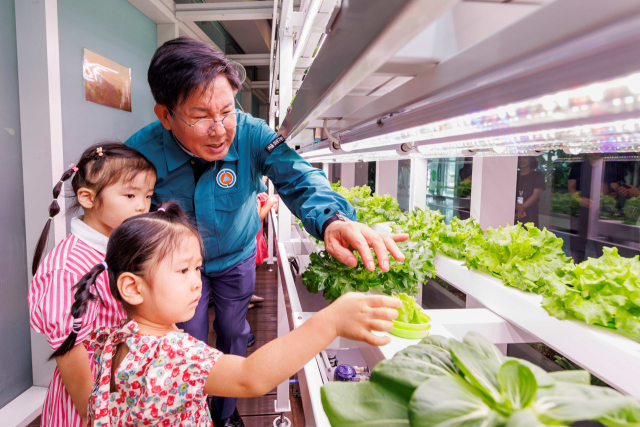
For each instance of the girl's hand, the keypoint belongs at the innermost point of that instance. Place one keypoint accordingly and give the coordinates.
(355, 315)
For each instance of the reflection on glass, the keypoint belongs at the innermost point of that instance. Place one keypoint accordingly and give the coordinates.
(619, 218)
(371, 179)
(404, 179)
(529, 186)
(590, 200)
(449, 186)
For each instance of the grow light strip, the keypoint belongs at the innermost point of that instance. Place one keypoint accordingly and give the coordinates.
(610, 97)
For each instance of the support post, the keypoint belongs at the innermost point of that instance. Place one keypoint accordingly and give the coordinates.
(325, 169)
(493, 190)
(41, 135)
(418, 184)
(270, 231)
(348, 175)
(387, 178)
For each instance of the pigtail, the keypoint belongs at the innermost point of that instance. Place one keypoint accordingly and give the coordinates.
(54, 209)
(82, 297)
(172, 212)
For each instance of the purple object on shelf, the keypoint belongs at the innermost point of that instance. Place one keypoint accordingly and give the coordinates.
(345, 373)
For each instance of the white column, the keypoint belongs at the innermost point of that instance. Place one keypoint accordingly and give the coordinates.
(418, 184)
(325, 169)
(270, 230)
(166, 32)
(493, 190)
(41, 133)
(348, 175)
(387, 178)
(286, 93)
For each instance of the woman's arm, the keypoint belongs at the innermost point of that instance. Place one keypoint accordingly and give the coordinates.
(352, 316)
(264, 210)
(75, 372)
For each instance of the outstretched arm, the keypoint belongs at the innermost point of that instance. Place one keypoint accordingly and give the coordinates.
(352, 316)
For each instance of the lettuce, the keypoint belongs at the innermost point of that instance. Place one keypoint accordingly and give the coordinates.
(565, 203)
(410, 310)
(602, 291)
(608, 208)
(419, 224)
(631, 210)
(519, 255)
(452, 239)
(327, 274)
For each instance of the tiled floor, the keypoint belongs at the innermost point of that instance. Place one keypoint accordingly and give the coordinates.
(259, 411)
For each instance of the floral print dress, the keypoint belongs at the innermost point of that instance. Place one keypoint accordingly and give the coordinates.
(160, 382)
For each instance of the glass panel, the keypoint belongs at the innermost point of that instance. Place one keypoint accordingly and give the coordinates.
(449, 186)
(371, 181)
(404, 179)
(582, 199)
(619, 214)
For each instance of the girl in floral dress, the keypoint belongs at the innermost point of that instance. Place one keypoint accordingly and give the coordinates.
(150, 372)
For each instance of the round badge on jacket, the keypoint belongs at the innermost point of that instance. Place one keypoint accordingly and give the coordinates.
(226, 178)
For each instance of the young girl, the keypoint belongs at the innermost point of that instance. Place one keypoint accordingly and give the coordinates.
(111, 183)
(151, 373)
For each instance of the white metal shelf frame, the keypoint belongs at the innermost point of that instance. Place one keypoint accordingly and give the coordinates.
(610, 356)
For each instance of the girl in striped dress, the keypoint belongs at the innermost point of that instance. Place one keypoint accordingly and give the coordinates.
(111, 183)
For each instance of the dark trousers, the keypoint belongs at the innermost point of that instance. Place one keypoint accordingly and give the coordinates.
(231, 292)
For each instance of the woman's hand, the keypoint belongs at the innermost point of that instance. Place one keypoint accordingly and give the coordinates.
(355, 315)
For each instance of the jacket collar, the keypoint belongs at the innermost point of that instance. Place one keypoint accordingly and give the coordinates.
(176, 156)
(88, 235)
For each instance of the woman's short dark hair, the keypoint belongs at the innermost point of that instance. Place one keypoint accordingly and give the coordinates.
(184, 66)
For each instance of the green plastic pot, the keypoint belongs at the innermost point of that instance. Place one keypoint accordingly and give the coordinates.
(412, 331)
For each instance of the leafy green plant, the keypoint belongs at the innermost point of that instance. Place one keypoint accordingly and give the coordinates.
(410, 310)
(568, 365)
(565, 203)
(519, 255)
(463, 189)
(631, 210)
(451, 239)
(602, 291)
(372, 208)
(419, 224)
(607, 207)
(333, 278)
(446, 383)
(377, 208)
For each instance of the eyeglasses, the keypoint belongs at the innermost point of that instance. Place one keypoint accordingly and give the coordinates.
(206, 126)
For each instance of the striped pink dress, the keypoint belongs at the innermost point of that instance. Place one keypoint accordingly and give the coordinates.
(50, 300)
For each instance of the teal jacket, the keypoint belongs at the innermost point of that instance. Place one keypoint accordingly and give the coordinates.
(224, 202)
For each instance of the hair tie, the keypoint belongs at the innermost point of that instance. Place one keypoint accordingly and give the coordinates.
(50, 217)
(77, 326)
(99, 150)
(104, 263)
(160, 210)
(74, 167)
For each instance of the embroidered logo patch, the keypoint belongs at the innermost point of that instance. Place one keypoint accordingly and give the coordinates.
(273, 144)
(226, 178)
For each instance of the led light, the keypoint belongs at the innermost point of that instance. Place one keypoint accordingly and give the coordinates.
(321, 152)
(597, 98)
(306, 29)
(499, 148)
